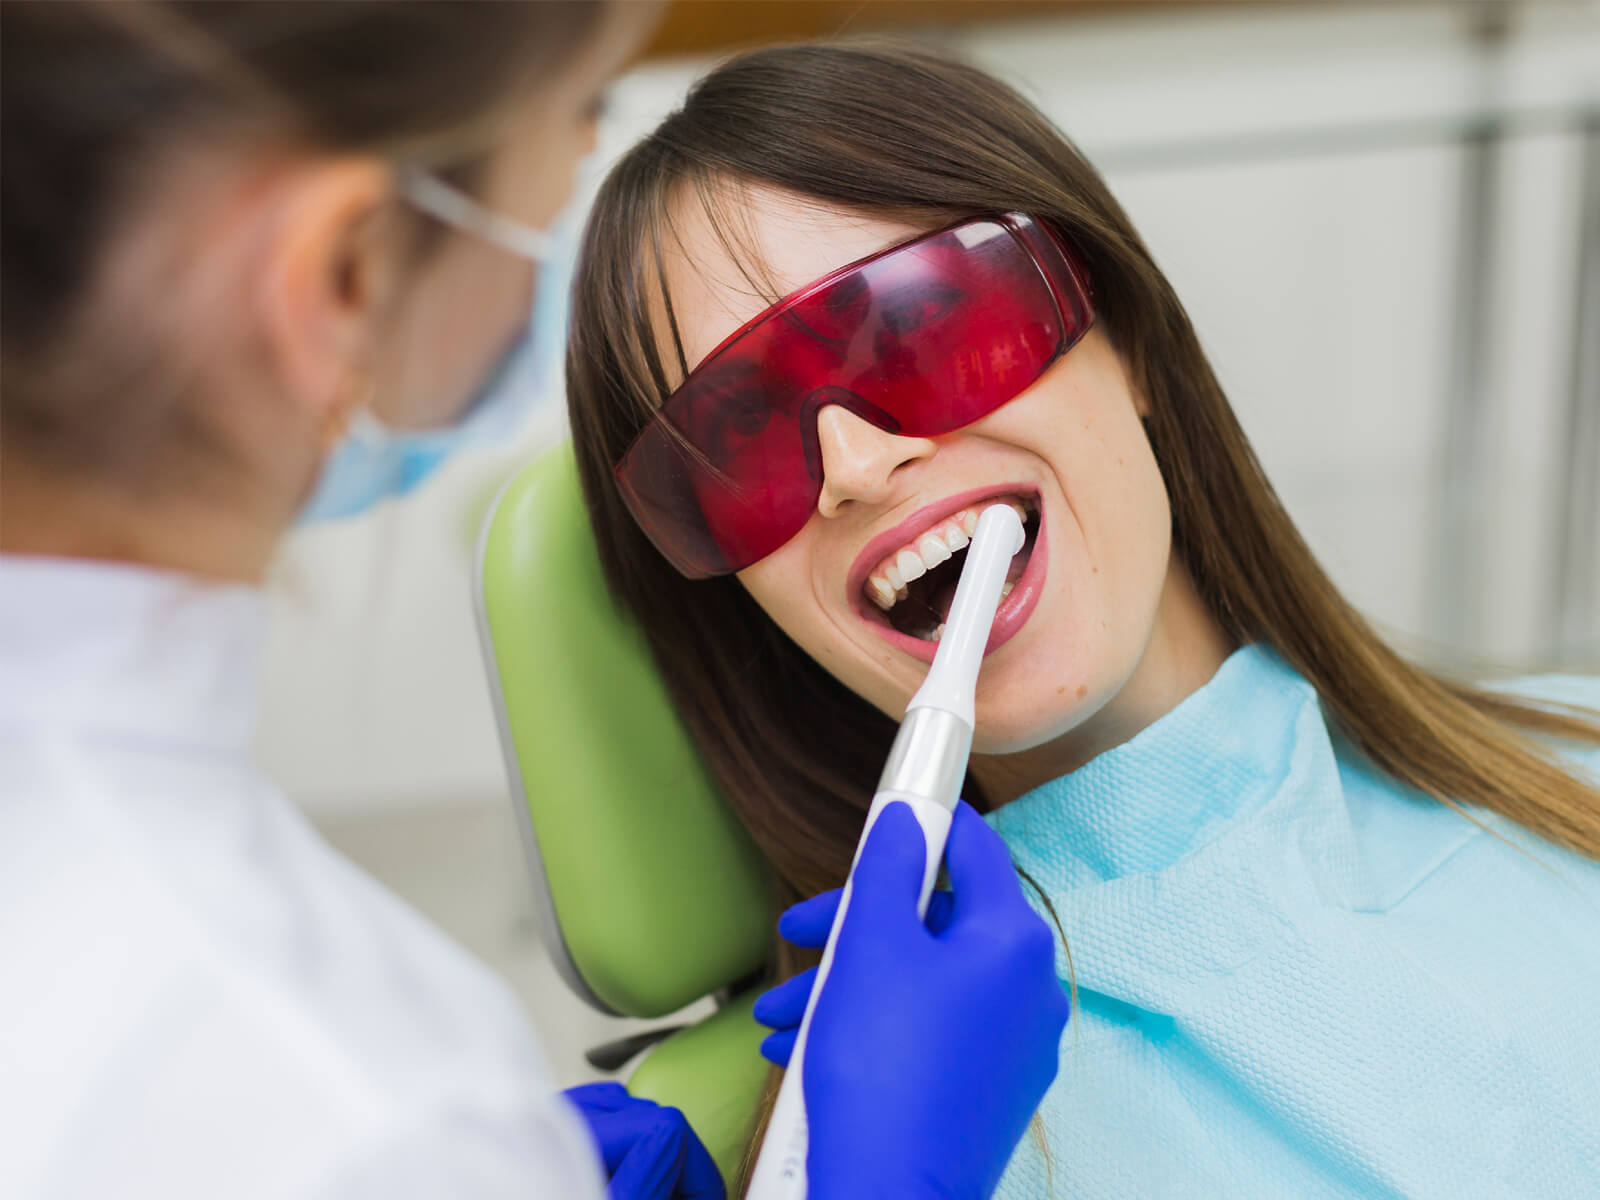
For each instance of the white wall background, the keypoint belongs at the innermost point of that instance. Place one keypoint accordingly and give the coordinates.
(1296, 174)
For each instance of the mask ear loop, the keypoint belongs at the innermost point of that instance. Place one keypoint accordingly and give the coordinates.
(432, 195)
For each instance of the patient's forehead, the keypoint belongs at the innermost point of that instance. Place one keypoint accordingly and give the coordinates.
(781, 242)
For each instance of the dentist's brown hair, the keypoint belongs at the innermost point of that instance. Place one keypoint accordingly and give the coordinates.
(98, 97)
(897, 131)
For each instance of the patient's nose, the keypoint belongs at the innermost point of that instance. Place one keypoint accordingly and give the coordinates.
(859, 460)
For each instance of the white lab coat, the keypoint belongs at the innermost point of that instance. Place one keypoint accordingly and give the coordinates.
(198, 998)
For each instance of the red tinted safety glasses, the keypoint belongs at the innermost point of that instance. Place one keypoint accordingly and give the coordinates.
(919, 339)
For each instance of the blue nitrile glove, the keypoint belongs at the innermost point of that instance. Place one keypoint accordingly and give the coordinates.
(649, 1151)
(932, 1045)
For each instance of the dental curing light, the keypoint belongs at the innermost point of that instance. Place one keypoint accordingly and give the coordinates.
(926, 768)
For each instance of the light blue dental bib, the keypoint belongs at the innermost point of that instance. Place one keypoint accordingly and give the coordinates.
(1297, 978)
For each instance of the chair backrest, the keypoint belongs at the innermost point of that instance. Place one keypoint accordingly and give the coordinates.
(648, 892)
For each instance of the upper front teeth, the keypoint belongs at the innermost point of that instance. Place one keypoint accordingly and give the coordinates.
(932, 550)
(911, 564)
(887, 584)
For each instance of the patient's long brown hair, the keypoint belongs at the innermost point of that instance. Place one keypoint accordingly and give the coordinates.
(892, 130)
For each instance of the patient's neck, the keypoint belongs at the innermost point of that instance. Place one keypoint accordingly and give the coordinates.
(1185, 649)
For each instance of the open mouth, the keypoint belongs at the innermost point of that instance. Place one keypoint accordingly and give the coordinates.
(913, 586)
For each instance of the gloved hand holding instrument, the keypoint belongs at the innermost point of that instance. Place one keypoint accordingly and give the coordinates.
(932, 1044)
(919, 1053)
(927, 1054)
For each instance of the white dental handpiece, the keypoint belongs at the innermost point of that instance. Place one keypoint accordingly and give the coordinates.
(926, 768)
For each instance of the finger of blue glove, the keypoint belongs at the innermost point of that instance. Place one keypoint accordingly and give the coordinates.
(784, 1005)
(650, 1168)
(777, 1048)
(617, 1131)
(807, 924)
(618, 1122)
(981, 873)
(887, 877)
(698, 1177)
(601, 1097)
(667, 1163)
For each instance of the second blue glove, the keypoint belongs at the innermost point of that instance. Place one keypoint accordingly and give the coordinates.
(650, 1152)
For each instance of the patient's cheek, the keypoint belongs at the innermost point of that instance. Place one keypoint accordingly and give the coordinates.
(783, 594)
(763, 581)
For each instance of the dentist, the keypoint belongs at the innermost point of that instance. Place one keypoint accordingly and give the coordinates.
(259, 260)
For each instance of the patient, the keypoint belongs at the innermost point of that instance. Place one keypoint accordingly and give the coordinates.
(1334, 920)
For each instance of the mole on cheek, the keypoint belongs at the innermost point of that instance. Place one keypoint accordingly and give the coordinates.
(1083, 690)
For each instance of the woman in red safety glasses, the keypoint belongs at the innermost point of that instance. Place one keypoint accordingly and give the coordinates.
(1332, 917)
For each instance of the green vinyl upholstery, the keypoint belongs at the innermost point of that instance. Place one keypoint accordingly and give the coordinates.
(713, 1072)
(648, 893)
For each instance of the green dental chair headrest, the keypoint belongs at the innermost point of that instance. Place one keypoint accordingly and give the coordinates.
(648, 893)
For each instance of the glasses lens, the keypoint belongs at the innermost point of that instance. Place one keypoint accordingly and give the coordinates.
(960, 323)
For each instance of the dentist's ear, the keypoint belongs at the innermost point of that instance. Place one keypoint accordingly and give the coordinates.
(329, 258)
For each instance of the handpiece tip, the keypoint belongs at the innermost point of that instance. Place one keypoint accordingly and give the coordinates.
(1006, 518)
(951, 681)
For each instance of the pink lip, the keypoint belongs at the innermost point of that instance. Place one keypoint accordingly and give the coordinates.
(1014, 610)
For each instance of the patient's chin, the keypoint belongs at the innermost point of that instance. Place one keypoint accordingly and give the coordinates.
(1015, 732)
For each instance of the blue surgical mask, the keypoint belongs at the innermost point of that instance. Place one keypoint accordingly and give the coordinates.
(373, 461)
